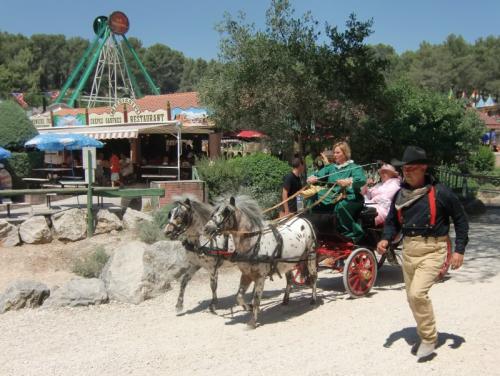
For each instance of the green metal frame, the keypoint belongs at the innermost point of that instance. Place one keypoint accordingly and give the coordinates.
(151, 84)
(136, 87)
(79, 67)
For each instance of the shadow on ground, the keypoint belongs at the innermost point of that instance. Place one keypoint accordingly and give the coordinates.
(410, 336)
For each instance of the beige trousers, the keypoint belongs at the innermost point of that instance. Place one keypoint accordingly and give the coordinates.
(422, 261)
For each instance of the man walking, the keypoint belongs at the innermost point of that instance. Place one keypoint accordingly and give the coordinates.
(291, 185)
(422, 209)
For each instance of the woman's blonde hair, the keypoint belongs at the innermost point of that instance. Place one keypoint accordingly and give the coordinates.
(344, 146)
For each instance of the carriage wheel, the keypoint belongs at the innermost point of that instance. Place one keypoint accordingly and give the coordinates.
(299, 274)
(360, 272)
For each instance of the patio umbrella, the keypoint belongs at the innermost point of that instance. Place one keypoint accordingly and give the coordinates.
(250, 134)
(4, 153)
(62, 141)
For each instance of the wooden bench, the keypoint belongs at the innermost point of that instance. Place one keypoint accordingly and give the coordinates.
(7, 204)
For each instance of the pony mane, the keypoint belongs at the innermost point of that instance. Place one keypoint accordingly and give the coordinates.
(250, 208)
(202, 209)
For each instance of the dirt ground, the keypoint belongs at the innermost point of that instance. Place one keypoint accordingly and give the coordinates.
(339, 336)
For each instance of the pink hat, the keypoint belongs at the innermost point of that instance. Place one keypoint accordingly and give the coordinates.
(388, 168)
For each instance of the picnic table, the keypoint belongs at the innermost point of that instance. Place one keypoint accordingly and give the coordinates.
(35, 181)
(162, 172)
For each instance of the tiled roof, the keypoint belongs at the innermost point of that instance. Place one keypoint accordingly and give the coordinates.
(149, 102)
(490, 121)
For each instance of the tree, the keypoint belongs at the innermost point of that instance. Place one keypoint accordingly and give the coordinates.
(281, 80)
(15, 125)
(414, 116)
(165, 67)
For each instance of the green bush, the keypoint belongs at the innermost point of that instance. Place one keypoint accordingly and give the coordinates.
(258, 175)
(219, 176)
(91, 265)
(483, 160)
(152, 232)
(20, 165)
(15, 126)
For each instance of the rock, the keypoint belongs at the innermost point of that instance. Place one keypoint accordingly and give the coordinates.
(70, 224)
(9, 234)
(35, 230)
(78, 292)
(138, 271)
(131, 202)
(107, 222)
(23, 294)
(132, 218)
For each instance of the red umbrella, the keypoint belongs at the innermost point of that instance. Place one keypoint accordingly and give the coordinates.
(250, 134)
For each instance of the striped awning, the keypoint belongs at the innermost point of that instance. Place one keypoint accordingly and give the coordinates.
(115, 132)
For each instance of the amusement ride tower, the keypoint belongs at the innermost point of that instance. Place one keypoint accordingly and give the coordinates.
(105, 56)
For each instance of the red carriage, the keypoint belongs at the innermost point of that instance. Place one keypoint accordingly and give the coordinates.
(358, 263)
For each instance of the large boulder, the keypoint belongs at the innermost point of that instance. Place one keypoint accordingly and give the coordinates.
(23, 294)
(138, 271)
(70, 224)
(35, 230)
(78, 292)
(107, 222)
(9, 234)
(132, 218)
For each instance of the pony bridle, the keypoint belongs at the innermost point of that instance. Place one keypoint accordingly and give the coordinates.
(226, 215)
(187, 220)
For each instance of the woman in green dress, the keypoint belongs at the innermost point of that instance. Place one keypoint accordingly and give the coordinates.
(348, 176)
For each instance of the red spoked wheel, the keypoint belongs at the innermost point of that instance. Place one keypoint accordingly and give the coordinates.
(299, 274)
(360, 272)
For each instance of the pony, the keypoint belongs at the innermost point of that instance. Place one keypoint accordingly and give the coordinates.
(262, 250)
(188, 217)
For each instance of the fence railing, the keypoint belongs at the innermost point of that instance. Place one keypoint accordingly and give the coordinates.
(466, 185)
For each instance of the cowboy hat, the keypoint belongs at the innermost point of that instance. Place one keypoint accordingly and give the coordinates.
(388, 168)
(412, 155)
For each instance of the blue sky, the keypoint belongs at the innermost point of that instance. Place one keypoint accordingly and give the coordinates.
(188, 25)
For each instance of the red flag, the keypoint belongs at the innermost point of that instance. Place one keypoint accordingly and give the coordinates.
(20, 99)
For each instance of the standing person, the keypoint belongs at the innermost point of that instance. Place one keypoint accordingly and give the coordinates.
(115, 170)
(380, 195)
(421, 210)
(291, 185)
(347, 176)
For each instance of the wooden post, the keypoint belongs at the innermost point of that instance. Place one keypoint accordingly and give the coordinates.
(87, 119)
(90, 215)
(125, 113)
(52, 118)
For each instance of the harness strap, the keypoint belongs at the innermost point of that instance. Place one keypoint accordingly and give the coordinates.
(277, 253)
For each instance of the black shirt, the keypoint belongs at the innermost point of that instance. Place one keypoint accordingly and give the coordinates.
(416, 217)
(292, 184)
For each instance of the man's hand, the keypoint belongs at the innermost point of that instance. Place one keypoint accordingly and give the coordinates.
(382, 246)
(312, 179)
(457, 259)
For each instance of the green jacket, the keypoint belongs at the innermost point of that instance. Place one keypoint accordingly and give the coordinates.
(347, 170)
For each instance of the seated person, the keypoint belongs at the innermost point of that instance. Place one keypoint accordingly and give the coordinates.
(350, 177)
(380, 195)
(126, 166)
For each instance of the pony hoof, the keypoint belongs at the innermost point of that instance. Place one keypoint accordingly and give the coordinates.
(179, 308)
(312, 302)
(211, 308)
(285, 302)
(248, 307)
(251, 325)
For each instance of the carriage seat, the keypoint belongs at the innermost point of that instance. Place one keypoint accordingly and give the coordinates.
(367, 216)
(323, 223)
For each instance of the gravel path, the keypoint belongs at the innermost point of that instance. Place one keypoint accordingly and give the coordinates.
(341, 336)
